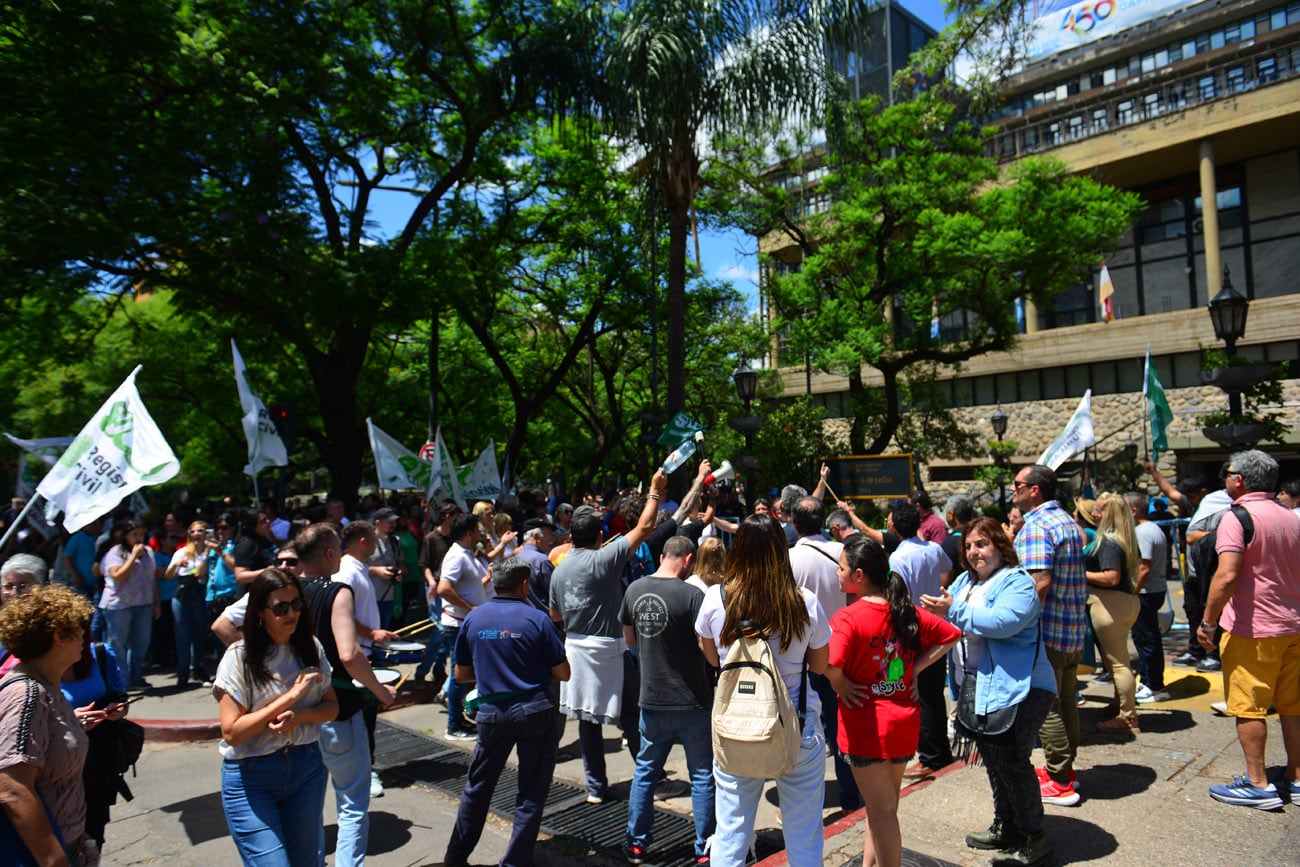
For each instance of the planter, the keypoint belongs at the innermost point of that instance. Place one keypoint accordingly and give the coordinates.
(1238, 377)
(1232, 436)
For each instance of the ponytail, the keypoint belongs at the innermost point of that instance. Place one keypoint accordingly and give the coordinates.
(902, 612)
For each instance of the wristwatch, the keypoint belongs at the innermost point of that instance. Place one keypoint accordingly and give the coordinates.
(1208, 626)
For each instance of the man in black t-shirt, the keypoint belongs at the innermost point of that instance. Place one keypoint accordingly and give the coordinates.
(658, 616)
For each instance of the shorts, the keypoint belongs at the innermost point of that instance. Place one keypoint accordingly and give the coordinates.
(864, 762)
(1258, 672)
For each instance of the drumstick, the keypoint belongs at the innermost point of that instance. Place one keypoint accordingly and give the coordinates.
(413, 628)
(401, 680)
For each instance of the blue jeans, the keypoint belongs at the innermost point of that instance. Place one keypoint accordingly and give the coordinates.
(1147, 640)
(273, 807)
(435, 649)
(456, 721)
(802, 792)
(850, 797)
(660, 729)
(191, 616)
(129, 632)
(529, 728)
(345, 749)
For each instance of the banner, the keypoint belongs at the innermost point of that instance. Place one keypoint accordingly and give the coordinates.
(1105, 291)
(1157, 409)
(1076, 437)
(47, 450)
(1058, 25)
(480, 480)
(397, 466)
(265, 448)
(681, 428)
(445, 483)
(118, 452)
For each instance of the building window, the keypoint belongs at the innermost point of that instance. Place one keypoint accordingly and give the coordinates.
(1124, 112)
(1151, 104)
(1075, 127)
(1205, 87)
(1100, 120)
(1266, 69)
(1236, 79)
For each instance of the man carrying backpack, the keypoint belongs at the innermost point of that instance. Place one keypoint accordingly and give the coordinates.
(658, 618)
(1255, 598)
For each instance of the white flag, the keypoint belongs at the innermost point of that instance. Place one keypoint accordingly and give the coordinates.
(47, 450)
(265, 448)
(481, 480)
(445, 484)
(117, 453)
(1076, 437)
(397, 466)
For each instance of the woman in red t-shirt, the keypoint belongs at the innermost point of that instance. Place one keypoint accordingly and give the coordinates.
(879, 644)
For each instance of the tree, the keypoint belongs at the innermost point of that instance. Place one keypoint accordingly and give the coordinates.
(674, 69)
(923, 227)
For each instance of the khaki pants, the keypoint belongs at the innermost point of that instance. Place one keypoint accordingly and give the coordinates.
(1113, 614)
(1060, 731)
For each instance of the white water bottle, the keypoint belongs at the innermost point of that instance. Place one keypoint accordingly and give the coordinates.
(677, 458)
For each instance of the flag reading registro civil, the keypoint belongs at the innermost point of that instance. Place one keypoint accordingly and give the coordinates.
(118, 452)
(682, 427)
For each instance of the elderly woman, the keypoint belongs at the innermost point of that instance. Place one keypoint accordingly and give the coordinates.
(42, 743)
(995, 603)
(20, 573)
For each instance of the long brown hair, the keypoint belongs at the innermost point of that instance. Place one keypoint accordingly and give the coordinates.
(257, 641)
(711, 560)
(760, 586)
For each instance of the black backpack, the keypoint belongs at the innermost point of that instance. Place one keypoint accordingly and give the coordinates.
(1201, 553)
(116, 744)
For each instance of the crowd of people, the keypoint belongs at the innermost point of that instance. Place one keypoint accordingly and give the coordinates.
(624, 616)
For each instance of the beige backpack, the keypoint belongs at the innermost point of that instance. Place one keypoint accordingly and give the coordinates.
(756, 728)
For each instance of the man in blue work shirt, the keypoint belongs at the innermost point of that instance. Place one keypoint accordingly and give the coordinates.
(511, 651)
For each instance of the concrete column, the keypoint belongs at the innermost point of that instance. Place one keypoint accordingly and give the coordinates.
(1210, 220)
(1031, 317)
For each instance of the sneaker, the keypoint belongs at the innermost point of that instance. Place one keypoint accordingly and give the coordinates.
(999, 836)
(1289, 790)
(1053, 792)
(1036, 849)
(702, 861)
(665, 789)
(1219, 707)
(1209, 663)
(1142, 693)
(633, 854)
(461, 735)
(376, 787)
(1154, 695)
(1102, 676)
(1043, 777)
(595, 799)
(1187, 660)
(1241, 792)
(441, 698)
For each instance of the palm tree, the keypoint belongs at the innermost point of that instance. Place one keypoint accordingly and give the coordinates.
(674, 69)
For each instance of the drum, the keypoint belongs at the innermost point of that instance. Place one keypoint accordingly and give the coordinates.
(398, 652)
(386, 676)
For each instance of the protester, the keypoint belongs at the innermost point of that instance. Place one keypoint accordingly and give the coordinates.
(1112, 566)
(94, 688)
(880, 644)
(274, 691)
(189, 567)
(996, 606)
(223, 589)
(1152, 583)
(462, 585)
(760, 588)
(42, 743)
(709, 564)
(432, 552)
(130, 601)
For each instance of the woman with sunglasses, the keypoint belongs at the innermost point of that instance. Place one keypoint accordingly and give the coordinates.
(189, 566)
(274, 691)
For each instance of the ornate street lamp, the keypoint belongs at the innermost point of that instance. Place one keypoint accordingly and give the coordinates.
(999, 421)
(1228, 314)
(746, 385)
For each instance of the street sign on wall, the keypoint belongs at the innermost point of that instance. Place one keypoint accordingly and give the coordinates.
(870, 477)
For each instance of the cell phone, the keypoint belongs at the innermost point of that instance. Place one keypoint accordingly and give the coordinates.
(133, 699)
(210, 534)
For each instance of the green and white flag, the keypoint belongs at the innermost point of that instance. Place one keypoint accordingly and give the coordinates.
(1076, 437)
(444, 484)
(265, 447)
(117, 453)
(481, 480)
(1157, 409)
(681, 428)
(397, 466)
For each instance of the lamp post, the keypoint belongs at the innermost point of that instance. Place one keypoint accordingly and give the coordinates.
(1228, 314)
(999, 422)
(746, 381)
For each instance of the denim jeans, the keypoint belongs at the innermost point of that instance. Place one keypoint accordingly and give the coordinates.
(529, 728)
(129, 632)
(273, 807)
(1147, 640)
(1017, 799)
(802, 792)
(435, 649)
(346, 751)
(660, 729)
(456, 721)
(850, 798)
(191, 616)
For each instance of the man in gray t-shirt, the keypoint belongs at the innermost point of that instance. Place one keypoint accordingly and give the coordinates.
(1153, 570)
(586, 595)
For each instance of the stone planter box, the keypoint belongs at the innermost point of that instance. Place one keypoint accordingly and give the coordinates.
(1238, 377)
(1235, 435)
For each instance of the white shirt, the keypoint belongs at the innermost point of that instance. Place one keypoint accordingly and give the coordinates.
(466, 573)
(355, 574)
(816, 562)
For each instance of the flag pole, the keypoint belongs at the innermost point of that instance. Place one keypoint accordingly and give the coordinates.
(18, 521)
(1145, 408)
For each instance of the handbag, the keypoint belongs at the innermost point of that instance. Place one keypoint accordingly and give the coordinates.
(994, 722)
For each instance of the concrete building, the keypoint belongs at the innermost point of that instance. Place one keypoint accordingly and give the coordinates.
(1196, 107)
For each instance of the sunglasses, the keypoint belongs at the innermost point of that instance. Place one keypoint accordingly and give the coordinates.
(280, 609)
(286, 561)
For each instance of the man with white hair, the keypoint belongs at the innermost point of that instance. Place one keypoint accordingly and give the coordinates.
(539, 536)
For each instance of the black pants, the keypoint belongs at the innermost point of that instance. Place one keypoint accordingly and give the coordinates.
(1017, 799)
(1194, 591)
(1146, 638)
(933, 749)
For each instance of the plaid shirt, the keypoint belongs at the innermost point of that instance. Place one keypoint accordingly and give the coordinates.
(1052, 540)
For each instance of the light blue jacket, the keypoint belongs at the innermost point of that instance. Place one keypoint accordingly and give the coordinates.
(1014, 659)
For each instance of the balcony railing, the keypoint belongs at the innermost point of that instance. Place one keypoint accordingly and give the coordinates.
(1243, 67)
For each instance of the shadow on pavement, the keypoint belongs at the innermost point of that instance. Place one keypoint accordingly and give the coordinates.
(201, 817)
(1076, 840)
(1112, 782)
(388, 833)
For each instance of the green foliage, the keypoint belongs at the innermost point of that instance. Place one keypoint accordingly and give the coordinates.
(791, 442)
(1256, 400)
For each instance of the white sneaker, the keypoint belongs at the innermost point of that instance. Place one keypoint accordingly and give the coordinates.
(1220, 707)
(1142, 693)
(376, 787)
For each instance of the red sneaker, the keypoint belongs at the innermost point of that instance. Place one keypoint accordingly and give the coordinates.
(1054, 793)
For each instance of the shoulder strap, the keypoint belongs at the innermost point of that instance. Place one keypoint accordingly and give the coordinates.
(98, 649)
(1246, 521)
(819, 550)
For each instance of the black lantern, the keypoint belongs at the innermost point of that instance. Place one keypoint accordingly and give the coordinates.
(1228, 313)
(746, 382)
(999, 422)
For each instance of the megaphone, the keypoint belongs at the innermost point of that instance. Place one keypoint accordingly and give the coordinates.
(721, 474)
